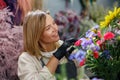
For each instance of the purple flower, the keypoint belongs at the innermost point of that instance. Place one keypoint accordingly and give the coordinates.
(79, 56)
(96, 27)
(94, 47)
(85, 42)
(106, 54)
(90, 34)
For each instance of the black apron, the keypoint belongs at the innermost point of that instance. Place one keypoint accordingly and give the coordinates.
(67, 70)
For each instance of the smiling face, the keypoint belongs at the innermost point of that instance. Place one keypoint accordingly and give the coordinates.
(50, 33)
(40, 33)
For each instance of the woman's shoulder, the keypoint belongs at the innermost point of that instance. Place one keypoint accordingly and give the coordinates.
(25, 55)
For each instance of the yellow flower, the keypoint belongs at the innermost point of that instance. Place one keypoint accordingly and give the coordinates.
(110, 17)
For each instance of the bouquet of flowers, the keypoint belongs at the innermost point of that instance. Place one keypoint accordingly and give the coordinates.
(99, 48)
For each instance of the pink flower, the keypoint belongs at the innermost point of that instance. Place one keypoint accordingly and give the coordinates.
(96, 54)
(77, 43)
(108, 35)
(99, 42)
(99, 34)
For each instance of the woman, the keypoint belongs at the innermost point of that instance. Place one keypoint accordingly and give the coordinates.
(43, 51)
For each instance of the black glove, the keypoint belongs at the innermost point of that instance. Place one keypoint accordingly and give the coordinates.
(69, 51)
(62, 50)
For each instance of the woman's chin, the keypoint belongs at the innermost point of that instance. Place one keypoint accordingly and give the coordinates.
(57, 38)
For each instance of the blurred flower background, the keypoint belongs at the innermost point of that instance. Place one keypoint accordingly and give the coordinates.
(68, 22)
(99, 39)
(10, 45)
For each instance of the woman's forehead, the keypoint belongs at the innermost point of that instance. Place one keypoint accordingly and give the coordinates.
(49, 19)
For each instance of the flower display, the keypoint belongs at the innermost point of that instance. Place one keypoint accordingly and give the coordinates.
(99, 48)
(11, 45)
(68, 24)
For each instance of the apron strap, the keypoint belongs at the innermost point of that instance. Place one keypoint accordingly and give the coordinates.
(42, 62)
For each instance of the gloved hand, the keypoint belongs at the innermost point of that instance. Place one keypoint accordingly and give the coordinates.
(69, 51)
(62, 50)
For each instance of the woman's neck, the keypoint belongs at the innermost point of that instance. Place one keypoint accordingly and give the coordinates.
(48, 47)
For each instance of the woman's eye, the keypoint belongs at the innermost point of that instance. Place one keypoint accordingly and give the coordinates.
(47, 28)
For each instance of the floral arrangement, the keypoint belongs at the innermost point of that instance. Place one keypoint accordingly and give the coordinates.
(99, 48)
(11, 45)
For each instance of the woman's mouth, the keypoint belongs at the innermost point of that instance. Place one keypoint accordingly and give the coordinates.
(55, 35)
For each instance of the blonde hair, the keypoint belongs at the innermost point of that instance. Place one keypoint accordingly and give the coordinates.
(33, 27)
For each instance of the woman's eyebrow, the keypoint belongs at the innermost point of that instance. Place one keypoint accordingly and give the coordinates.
(48, 25)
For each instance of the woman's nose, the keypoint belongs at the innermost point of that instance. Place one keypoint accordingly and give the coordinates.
(55, 27)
